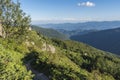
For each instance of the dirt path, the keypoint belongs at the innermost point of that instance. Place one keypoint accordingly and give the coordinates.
(38, 76)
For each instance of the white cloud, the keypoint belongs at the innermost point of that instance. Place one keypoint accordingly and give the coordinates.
(87, 4)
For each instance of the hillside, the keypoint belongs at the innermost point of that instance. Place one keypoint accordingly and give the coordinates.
(93, 25)
(51, 33)
(108, 40)
(26, 54)
(71, 29)
(56, 59)
(76, 32)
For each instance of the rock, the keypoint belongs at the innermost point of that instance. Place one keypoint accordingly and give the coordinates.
(0, 29)
(85, 54)
(51, 48)
(28, 43)
(47, 47)
(2, 32)
(32, 43)
(30, 29)
(44, 47)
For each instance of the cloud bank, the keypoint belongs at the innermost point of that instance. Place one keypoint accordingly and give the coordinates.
(87, 4)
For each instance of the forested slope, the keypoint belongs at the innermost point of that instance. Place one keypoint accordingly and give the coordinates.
(51, 33)
(107, 40)
(58, 60)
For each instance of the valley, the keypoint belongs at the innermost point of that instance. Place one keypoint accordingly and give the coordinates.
(102, 35)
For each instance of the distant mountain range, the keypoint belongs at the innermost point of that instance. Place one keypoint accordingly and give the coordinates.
(103, 35)
(108, 40)
(84, 26)
(75, 32)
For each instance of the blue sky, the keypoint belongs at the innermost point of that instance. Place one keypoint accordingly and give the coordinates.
(71, 10)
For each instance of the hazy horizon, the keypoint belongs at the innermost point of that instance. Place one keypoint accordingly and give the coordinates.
(71, 11)
(65, 22)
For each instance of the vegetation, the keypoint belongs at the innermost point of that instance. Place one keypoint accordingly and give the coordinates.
(11, 67)
(107, 40)
(56, 59)
(51, 33)
(12, 16)
(72, 60)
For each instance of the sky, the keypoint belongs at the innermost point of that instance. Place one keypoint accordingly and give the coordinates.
(62, 11)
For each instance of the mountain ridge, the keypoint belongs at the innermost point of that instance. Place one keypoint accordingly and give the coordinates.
(106, 39)
(97, 25)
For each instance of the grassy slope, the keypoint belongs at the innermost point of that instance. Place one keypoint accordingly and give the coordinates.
(71, 61)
